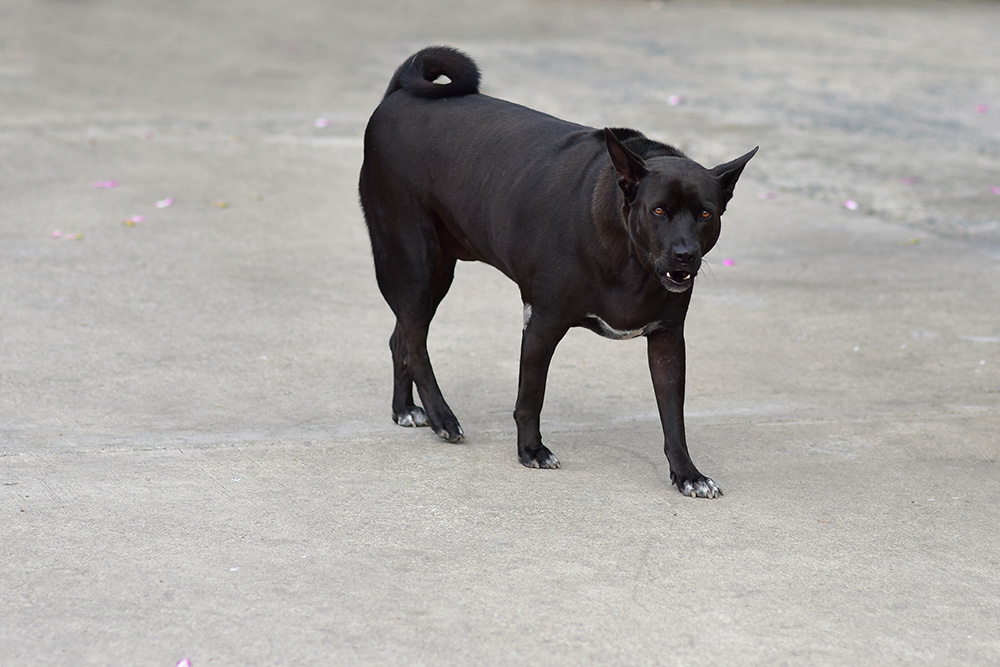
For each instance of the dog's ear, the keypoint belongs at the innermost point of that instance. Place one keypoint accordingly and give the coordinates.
(629, 167)
(729, 173)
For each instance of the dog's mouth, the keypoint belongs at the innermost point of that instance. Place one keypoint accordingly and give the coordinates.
(677, 281)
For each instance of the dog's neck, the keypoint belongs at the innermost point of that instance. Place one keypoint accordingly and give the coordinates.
(608, 206)
(610, 211)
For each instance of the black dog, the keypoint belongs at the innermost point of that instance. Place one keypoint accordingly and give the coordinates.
(603, 229)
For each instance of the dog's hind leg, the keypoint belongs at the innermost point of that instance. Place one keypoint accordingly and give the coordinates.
(404, 411)
(411, 363)
(414, 274)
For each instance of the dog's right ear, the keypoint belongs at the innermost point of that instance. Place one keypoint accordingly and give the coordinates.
(629, 167)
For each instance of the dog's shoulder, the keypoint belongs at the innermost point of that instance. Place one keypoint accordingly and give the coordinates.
(642, 145)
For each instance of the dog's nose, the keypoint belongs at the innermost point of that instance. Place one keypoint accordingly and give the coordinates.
(685, 255)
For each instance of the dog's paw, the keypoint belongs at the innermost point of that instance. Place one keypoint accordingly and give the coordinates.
(539, 458)
(702, 487)
(412, 416)
(451, 430)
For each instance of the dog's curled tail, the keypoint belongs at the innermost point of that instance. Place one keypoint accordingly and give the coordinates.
(418, 74)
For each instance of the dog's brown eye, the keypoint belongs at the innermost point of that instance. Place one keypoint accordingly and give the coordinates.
(659, 210)
(706, 214)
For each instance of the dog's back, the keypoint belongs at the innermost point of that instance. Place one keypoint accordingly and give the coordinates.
(480, 171)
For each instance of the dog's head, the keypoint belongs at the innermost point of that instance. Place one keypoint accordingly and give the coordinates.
(674, 208)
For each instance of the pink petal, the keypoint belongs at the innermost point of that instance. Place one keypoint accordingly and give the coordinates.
(728, 262)
(105, 184)
(322, 122)
(768, 194)
(163, 203)
(995, 189)
(909, 180)
(982, 107)
(851, 205)
(675, 100)
(184, 663)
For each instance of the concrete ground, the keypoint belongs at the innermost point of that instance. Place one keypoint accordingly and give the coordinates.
(196, 455)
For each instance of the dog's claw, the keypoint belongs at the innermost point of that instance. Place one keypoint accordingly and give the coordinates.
(452, 432)
(700, 488)
(550, 462)
(541, 459)
(415, 416)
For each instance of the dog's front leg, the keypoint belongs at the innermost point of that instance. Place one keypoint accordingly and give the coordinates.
(666, 366)
(538, 344)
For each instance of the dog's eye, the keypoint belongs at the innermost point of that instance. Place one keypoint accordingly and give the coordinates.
(659, 211)
(706, 214)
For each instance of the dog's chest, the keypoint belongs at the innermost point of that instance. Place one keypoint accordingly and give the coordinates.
(598, 325)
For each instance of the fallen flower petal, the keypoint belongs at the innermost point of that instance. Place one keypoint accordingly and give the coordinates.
(322, 122)
(675, 100)
(768, 194)
(995, 189)
(163, 203)
(184, 663)
(134, 220)
(851, 205)
(728, 262)
(982, 107)
(221, 204)
(105, 184)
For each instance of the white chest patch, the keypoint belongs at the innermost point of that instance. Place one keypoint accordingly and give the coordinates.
(527, 315)
(609, 331)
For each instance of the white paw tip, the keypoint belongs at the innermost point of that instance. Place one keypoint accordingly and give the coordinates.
(704, 488)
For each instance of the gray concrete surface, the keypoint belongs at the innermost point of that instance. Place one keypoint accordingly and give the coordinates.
(196, 456)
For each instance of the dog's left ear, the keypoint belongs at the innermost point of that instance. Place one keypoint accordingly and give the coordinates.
(729, 173)
(629, 167)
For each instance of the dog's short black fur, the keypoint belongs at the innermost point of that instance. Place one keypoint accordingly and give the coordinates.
(603, 229)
